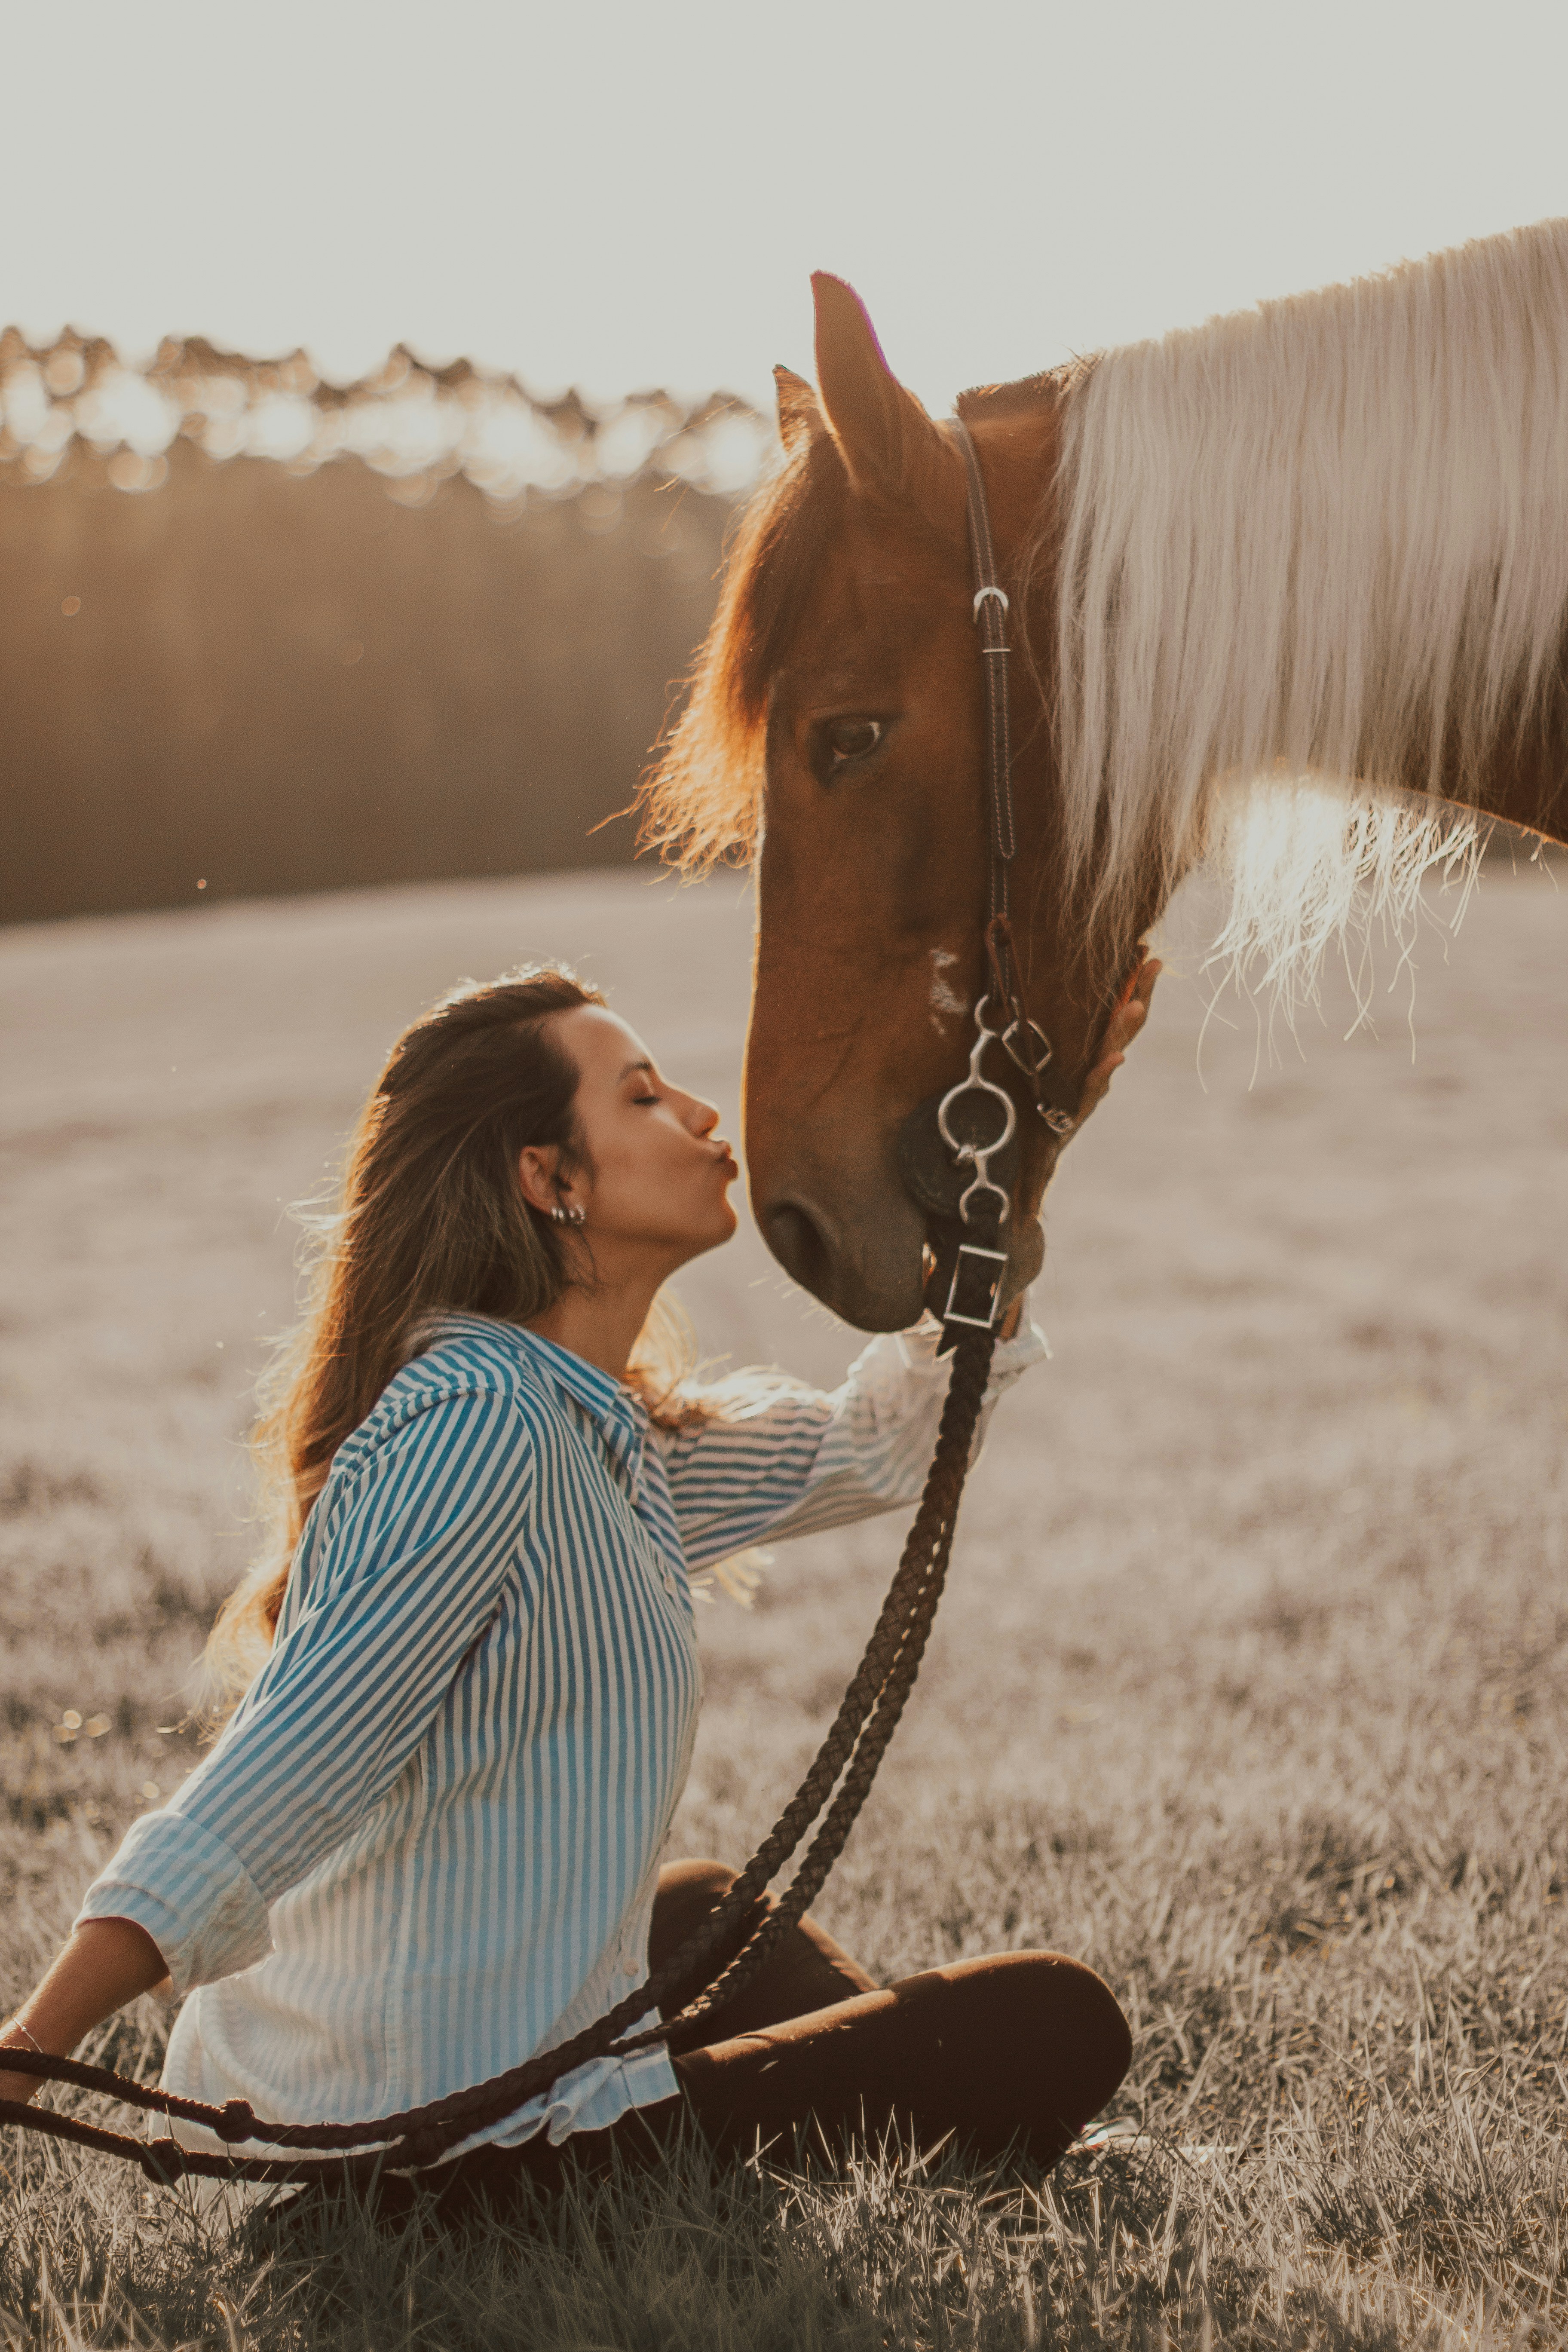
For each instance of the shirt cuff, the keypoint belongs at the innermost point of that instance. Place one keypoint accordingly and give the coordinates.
(1028, 1346)
(190, 1893)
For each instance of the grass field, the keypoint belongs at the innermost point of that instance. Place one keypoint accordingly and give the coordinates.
(1250, 1689)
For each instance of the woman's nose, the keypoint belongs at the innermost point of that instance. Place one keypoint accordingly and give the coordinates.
(704, 1116)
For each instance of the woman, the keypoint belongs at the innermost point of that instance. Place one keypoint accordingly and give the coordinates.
(427, 1842)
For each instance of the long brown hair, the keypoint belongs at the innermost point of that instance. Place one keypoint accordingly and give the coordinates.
(431, 1216)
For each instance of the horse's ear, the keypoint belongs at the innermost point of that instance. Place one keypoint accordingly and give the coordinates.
(886, 440)
(799, 415)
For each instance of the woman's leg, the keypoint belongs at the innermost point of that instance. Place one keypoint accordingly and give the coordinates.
(807, 1970)
(1013, 2053)
(1008, 2054)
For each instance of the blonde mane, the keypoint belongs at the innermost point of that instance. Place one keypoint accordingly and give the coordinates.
(1312, 560)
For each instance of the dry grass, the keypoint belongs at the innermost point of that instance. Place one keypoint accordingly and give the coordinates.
(1250, 1690)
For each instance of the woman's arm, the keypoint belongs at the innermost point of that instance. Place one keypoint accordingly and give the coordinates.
(406, 1567)
(780, 1461)
(104, 1964)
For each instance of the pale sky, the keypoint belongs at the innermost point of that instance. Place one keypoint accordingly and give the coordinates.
(621, 196)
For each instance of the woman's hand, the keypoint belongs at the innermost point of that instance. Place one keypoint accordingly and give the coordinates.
(1128, 1017)
(20, 2087)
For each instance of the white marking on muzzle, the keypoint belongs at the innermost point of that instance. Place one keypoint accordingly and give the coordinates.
(945, 1002)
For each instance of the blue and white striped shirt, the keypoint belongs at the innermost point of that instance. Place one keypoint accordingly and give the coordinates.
(428, 1842)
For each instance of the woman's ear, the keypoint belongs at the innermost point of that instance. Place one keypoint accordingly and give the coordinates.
(538, 1172)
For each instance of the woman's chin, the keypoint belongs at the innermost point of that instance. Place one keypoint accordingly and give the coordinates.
(722, 1227)
(712, 1234)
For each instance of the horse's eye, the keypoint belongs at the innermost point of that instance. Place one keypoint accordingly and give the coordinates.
(851, 738)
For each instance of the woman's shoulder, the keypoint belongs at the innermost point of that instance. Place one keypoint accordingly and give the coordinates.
(463, 1381)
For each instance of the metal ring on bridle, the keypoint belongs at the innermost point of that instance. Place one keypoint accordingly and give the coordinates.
(990, 589)
(977, 1083)
(966, 1153)
(979, 1155)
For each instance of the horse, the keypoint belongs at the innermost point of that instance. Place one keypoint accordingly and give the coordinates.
(1292, 589)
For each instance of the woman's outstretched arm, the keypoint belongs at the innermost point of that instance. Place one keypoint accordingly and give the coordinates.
(781, 1460)
(103, 1964)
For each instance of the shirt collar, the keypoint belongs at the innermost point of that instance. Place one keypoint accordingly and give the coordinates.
(615, 1411)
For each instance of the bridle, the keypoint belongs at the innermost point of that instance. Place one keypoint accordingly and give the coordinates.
(1023, 1039)
(984, 1205)
(846, 1764)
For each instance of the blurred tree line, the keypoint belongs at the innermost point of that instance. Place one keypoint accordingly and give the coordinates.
(259, 633)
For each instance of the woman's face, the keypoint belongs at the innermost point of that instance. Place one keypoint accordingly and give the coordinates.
(658, 1182)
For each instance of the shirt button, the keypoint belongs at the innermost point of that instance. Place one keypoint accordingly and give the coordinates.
(670, 1584)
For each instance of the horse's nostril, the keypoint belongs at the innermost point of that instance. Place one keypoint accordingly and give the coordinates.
(794, 1240)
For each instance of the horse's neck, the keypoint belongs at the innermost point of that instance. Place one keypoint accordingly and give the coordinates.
(1523, 775)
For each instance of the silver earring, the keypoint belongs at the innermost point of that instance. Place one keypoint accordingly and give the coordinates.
(569, 1213)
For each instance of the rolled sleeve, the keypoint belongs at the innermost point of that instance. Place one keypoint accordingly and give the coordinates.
(190, 1893)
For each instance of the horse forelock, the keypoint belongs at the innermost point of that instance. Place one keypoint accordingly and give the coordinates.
(702, 798)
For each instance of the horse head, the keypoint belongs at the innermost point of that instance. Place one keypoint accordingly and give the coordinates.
(841, 692)
(1289, 586)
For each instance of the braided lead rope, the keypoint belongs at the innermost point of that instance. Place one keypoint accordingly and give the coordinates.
(859, 1737)
(831, 1838)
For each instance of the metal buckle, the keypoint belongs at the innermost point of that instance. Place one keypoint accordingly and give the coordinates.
(992, 1259)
